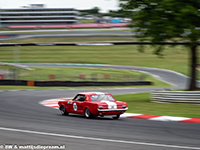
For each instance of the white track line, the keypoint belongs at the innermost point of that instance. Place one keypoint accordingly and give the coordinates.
(98, 139)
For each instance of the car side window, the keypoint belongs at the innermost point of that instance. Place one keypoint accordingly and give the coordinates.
(80, 98)
(75, 98)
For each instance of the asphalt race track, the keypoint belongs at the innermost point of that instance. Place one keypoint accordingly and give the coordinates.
(65, 34)
(23, 121)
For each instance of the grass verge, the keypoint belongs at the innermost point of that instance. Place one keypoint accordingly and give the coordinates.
(91, 74)
(88, 74)
(140, 103)
(175, 58)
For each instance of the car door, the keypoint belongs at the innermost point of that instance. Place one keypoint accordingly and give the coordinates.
(69, 106)
(80, 104)
(77, 103)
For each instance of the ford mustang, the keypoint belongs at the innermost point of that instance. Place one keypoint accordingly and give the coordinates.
(93, 104)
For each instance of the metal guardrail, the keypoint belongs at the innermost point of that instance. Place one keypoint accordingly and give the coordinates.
(71, 83)
(176, 96)
(93, 44)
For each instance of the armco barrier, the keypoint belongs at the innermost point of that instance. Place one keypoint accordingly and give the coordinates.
(93, 44)
(71, 83)
(13, 82)
(176, 96)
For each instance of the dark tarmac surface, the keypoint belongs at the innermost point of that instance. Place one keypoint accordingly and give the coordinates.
(64, 34)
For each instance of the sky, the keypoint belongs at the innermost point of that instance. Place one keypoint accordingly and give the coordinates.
(104, 5)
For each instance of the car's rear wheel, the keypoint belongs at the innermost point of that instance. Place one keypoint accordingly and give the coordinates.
(88, 114)
(116, 117)
(63, 111)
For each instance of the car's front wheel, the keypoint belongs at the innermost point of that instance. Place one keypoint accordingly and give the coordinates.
(63, 111)
(88, 114)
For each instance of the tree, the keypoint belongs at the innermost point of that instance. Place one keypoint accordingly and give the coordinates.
(163, 20)
(94, 10)
(117, 13)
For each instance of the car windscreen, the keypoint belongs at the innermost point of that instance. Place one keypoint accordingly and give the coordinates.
(102, 97)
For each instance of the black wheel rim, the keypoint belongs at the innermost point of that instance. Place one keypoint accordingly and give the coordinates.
(87, 112)
(62, 110)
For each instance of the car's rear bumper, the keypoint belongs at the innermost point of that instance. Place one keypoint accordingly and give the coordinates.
(107, 110)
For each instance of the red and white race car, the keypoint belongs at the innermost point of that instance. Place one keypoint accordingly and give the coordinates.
(92, 104)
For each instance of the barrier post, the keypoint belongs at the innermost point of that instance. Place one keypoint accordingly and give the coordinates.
(82, 76)
(1, 76)
(106, 76)
(30, 83)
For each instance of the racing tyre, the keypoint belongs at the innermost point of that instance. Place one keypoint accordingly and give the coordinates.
(63, 111)
(88, 114)
(116, 117)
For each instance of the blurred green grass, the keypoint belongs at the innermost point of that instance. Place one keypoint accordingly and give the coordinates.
(91, 74)
(140, 103)
(70, 73)
(175, 58)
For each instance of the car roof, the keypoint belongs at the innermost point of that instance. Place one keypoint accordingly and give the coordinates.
(93, 93)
